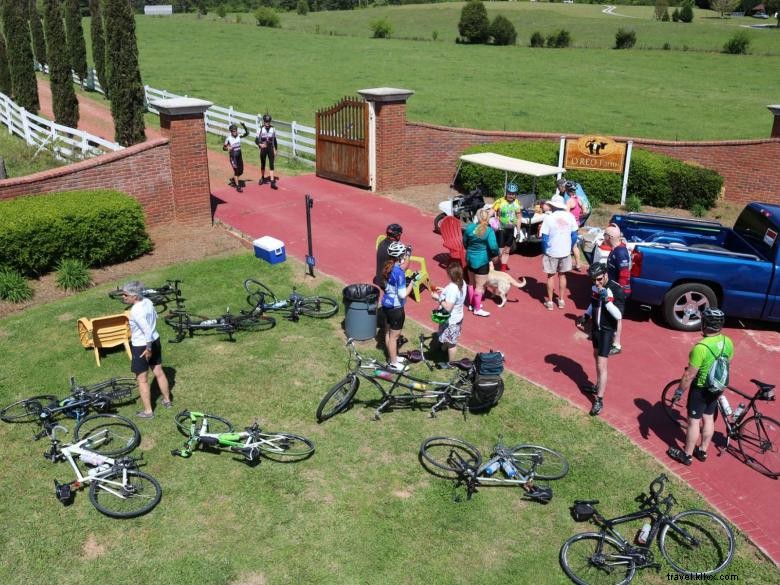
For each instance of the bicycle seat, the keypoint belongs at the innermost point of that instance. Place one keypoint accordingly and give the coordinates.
(250, 453)
(414, 356)
(765, 391)
(462, 364)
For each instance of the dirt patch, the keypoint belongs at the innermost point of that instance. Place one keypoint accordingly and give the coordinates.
(250, 579)
(91, 549)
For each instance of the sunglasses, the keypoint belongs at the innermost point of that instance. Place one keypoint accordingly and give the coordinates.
(599, 278)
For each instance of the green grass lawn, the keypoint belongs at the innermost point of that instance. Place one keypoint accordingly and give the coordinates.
(291, 72)
(361, 510)
(21, 159)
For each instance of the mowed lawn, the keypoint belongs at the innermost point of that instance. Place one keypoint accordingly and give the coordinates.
(689, 92)
(361, 511)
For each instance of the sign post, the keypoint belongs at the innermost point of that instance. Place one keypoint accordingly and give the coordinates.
(310, 262)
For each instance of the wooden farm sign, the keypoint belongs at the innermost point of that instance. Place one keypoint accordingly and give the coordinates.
(595, 153)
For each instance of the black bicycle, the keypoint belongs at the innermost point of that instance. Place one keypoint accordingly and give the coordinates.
(185, 324)
(757, 435)
(161, 296)
(693, 542)
(262, 300)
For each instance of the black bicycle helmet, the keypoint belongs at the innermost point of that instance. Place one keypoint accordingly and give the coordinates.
(394, 231)
(712, 319)
(266, 118)
(570, 186)
(233, 128)
(597, 269)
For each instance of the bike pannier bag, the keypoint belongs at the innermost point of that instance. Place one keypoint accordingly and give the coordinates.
(582, 512)
(718, 374)
(486, 392)
(489, 363)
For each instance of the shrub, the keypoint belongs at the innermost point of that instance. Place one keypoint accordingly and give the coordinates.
(667, 47)
(559, 40)
(221, 11)
(698, 210)
(13, 287)
(73, 275)
(474, 25)
(302, 8)
(381, 28)
(435, 35)
(665, 16)
(686, 12)
(267, 17)
(633, 203)
(97, 227)
(625, 39)
(537, 40)
(676, 15)
(738, 44)
(503, 31)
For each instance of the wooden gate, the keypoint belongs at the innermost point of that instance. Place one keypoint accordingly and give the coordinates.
(342, 142)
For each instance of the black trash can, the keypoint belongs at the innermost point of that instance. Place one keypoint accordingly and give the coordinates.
(360, 308)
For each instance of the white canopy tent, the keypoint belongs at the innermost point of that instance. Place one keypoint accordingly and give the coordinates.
(515, 166)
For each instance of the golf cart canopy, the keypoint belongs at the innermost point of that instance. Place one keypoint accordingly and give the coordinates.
(511, 165)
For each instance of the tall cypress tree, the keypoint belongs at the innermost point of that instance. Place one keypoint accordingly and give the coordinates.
(98, 43)
(75, 38)
(36, 28)
(5, 73)
(24, 86)
(63, 97)
(124, 77)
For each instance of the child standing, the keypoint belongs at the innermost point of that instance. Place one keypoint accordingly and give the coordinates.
(451, 299)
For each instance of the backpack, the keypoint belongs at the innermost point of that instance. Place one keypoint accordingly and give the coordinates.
(486, 392)
(718, 374)
(489, 363)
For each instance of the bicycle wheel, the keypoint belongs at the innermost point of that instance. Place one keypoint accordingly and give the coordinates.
(257, 292)
(591, 558)
(116, 389)
(135, 496)
(759, 443)
(108, 434)
(550, 464)
(337, 398)
(449, 454)
(285, 445)
(697, 542)
(215, 424)
(676, 411)
(319, 307)
(253, 323)
(26, 410)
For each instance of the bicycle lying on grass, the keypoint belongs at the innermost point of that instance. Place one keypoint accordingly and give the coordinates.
(161, 296)
(520, 465)
(457, 392)
(116, 487)
(757, 435)
(693, 542)
(263, 300)
(211, 431)
(185, 324)
(81, 400)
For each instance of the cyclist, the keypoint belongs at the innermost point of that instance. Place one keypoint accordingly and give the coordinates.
(507, 209)
(392, 234)
(619, 270)
(394, 299)
(702, 403)
(266, 142)
(232, 145)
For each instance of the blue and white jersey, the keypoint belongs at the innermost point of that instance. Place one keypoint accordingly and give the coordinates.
(396, 282)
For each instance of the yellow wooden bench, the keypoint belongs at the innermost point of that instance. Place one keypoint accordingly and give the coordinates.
(106, 331)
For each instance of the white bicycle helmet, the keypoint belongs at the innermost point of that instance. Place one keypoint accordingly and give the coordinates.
(397, 250)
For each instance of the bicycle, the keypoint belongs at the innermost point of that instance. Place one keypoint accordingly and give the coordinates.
(456, 392)
(262, 299)
(213, 431)
(757, 435)
(116, 487)
(186, 324)
(521, 465)
(81, 400)
(160, 296)
(693, 542)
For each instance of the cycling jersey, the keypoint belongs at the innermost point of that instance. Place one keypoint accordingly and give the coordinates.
(394, 298)
(507, 211)
(266, 136)
(233, 144)
(619, 267)
(704, 354)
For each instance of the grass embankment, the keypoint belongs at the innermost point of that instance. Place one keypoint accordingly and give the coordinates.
(21, 159)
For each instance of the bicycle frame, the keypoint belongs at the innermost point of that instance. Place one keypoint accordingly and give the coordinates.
(186, 327)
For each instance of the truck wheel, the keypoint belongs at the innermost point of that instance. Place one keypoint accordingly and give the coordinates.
(683, 304)
(436, 221)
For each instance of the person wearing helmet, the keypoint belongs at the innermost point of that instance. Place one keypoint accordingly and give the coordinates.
(392, 234)
(451, 299)
(394, 299)
(702, 403)
(266, 142)
(605, 311)
(619, 270)
(507, 211)
(232, 145)
(574, 205)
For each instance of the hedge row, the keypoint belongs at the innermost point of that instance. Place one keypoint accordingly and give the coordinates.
(97, 227)
(656, 179)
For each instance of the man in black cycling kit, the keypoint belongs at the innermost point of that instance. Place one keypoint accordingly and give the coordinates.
(266, 142)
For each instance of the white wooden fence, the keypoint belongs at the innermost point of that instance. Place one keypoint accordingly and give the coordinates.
(66, 143)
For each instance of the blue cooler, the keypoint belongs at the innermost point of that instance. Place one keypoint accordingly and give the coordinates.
(270, 249)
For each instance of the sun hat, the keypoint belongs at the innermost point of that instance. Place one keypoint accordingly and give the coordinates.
(557, 202)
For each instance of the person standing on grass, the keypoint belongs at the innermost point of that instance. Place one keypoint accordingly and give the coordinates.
(232, 145)
(559, 235)
(146, 349)
(481, 247)
(392, 234)
(266, 142)
(394, 299)
(451, 300)
(619, 270)
(507, 210)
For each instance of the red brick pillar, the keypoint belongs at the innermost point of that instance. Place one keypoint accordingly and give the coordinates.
(181, 120)
(388, 159)
(776, 126)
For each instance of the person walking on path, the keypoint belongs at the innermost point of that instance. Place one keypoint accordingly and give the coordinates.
(394, 299)
(619, 270)
(507, 210)
(481, 247)
(702, 403)
(451, 300)
(559, 235)
(606, 311)
(232, 145)
(266, 142)
(146, 349)
(574, 205)
(392, 234)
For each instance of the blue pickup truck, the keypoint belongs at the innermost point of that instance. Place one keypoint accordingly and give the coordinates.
(686, 265)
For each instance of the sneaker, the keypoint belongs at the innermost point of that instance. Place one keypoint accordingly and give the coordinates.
(397, 367)
(595, 410)
(232, 182)
(615, 349)
(679, 455)
(699, 454)
(589, 388)
(143, 414)
(561, 304)
(482, 313)
(549, 305)
(167, 403)
(400, 360)
(239, 189)
(273, 185)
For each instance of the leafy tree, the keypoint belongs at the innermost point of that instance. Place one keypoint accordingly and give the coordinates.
(676, 15)
(98, 43)
(202, 9)
(39, 40)
(773, 7)
(474, 26)
(77, 49)
(625, 39)
(24, 86)
(5, 73)
(661, 7)
(63, 97)
(302, 7)
(686, 12)
(221, 11)
(723, 7)
(738, 44)
(502, 31)
(381, 28)
(267, 17)
(124, 78)
(665, 16)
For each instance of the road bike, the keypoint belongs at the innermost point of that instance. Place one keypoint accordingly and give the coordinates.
(757, 435)
(693, 542)
(161, 296)
(81, 400)
(262, 300)
(400, 389)
(186, 324)
(116, 487)
(215, 432)
(519, 466)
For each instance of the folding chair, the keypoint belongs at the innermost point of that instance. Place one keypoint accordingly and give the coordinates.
(107, 331)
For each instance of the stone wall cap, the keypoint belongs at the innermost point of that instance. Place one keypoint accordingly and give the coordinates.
(181, 106)
(775, 109)
(386, 94)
